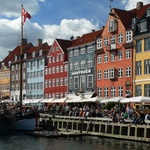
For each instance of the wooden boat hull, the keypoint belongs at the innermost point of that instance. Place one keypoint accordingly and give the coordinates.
(24, 124)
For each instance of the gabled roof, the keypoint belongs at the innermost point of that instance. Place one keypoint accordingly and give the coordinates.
(64, 44)
(44, 47)
(86, 38)
(140, 12)
(15, 52)
(127, 16)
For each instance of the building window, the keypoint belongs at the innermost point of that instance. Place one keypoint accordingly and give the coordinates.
(113, 39)
(128, 53)
(120, 72)
(83, 63)
(105, 41)
(61, 81)
(113, 91)
(57, 69)
(120, 55)
(106, 74)
(57, 58)
(57, 81)
(90, 81)
(76, 82)
(148, 12)
(99, 59)
(76, 52)
(105, 57)
(82, 51)
(106, 92)
(90, 63)
(82, 83)
(138, 46)
(120, 91)
(66, 67)
(99, 75)
(147, 44)
(128, 36)
(138, 90)
(89, 49)
(147, 90)
(71, 53)
(120, 38)
(112, 26)
(66, 81)
(53, 70)
(70, 84)
(61, 68)
(99, 43)
(50, 60)
(71, 66)
(50, 70)
(53, 59)
(61, 57)
(143, 26)
(128, 71)
(138, 68)
(113, 54)
(99, 91)
(76, 65)
(147, 66)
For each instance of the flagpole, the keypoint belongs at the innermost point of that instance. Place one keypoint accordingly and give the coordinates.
(21, 56)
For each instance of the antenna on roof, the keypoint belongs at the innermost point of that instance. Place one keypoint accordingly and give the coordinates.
(110, 4)
(72, 37)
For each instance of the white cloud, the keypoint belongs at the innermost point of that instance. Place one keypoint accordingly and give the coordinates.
(10, 35)
(130, 4)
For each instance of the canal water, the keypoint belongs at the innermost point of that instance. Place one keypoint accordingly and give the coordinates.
(21, 141)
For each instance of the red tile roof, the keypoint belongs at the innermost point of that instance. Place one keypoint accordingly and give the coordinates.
(15, 52)
(86, 38)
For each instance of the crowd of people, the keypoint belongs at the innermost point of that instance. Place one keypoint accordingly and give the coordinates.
(118, 114)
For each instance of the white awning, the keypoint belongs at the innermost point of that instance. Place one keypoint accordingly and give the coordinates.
(137, 99)
(113, 99)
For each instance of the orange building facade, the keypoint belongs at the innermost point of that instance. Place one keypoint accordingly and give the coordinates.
(114, 57)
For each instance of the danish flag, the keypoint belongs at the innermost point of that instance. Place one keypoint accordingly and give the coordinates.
(25, 15)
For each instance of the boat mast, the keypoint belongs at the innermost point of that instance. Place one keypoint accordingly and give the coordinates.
(21, 57)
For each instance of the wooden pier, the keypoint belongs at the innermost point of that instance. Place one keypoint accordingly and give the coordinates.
(103, 127)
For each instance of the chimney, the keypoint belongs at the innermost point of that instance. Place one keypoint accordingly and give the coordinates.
(139, 5)
(9, 52)
(24, 42)
(39, 42)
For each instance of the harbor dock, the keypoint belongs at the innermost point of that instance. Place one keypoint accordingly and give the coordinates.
(97, 126)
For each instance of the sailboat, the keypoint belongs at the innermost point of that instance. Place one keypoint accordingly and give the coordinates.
(25, 118)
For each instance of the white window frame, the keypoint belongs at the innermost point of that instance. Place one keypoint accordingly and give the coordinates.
(128, 36)
(120, 38)
(99, 59)
(99, 43)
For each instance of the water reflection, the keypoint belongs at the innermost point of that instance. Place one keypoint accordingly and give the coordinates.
(24, 142)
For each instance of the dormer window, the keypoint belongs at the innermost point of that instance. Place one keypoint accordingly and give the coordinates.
(25, 56)
(143, 26)
(40, 53)
(148, 12)
(15, 58)
(33, 54)
(112, 25)
(9, 63)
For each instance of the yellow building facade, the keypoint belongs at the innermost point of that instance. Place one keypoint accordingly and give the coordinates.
(4, 83)
(141, 57)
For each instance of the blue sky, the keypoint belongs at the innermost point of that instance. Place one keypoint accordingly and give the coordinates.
(54, 19)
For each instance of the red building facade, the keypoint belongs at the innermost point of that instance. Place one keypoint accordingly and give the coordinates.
(56, 72)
